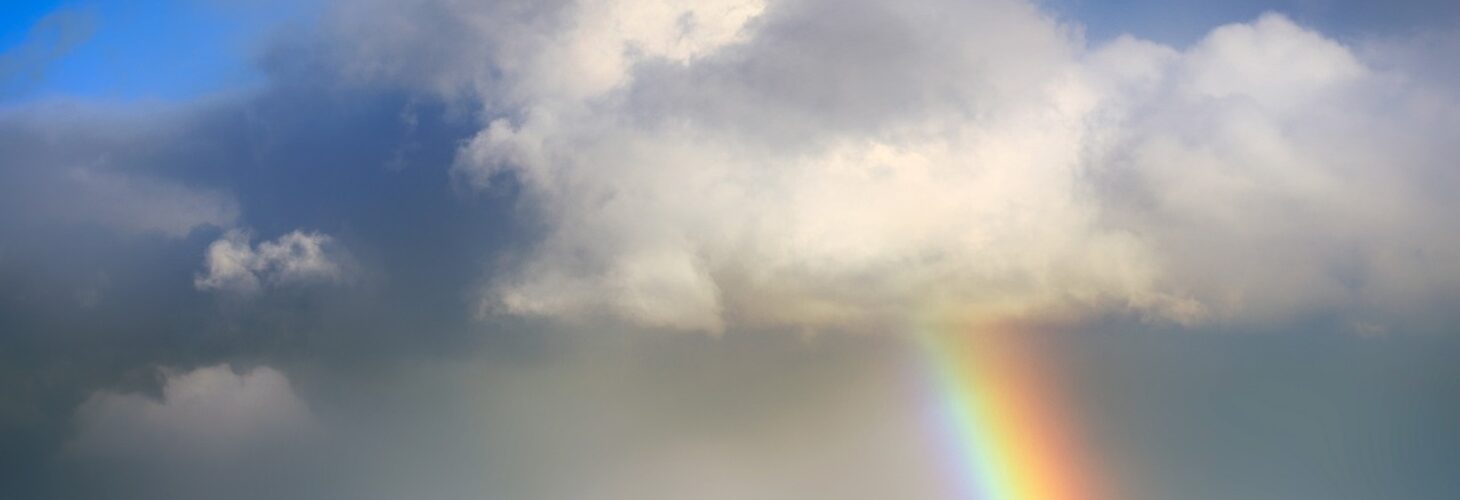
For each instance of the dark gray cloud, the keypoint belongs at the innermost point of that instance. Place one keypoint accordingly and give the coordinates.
(108, 212)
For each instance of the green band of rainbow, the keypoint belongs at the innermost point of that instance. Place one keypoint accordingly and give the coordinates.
(1002, 426)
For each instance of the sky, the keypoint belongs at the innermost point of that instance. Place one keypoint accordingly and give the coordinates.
(144, 50)
(798, 249)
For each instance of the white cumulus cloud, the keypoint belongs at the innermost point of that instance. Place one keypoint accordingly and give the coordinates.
(862, 164)
(234, 264)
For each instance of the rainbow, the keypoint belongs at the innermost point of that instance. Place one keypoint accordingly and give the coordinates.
(997, 408)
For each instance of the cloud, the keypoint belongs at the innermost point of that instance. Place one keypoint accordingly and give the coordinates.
(114, 168)
(234, 265)
(791, 179)
(205, 413)
(142, 205)
(856, 165)
(80, 278)
(1273, 173)
(73, 165)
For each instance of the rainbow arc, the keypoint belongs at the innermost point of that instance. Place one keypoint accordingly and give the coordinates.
(1003, 421)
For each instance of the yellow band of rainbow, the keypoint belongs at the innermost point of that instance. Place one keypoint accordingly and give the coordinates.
(1003, 426)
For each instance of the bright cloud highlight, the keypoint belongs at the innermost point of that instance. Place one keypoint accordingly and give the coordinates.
(840, 165)
(298, 257)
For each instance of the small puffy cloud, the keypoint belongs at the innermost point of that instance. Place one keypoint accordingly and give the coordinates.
(209, 412)
(233, 264)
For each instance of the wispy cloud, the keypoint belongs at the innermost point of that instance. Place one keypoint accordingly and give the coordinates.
(52, 38)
